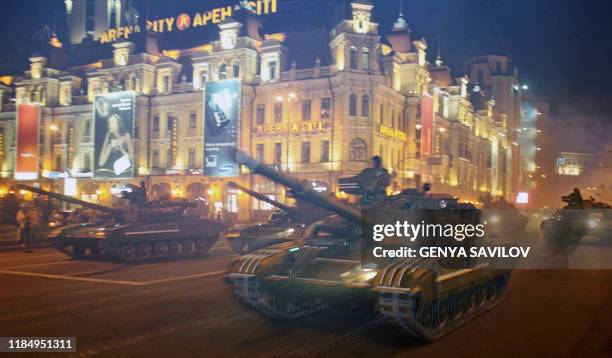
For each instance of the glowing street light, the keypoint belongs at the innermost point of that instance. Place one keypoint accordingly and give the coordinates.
(54, 127)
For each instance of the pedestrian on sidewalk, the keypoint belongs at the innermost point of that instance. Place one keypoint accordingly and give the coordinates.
(24, 229)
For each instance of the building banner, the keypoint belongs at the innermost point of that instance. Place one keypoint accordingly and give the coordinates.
(113, 136)
(28, 122)
(427, 123)
(222, 122)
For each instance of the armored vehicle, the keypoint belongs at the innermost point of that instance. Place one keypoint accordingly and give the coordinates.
(503, 218)
(152, 230)
(422, 296)
(282, 226)
(578, 219)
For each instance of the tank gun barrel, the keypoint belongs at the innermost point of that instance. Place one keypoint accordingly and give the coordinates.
(289, 209)
(67, 199)
(298, 188)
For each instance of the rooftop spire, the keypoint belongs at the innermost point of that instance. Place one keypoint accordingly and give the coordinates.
(400, 23)
(439, 61)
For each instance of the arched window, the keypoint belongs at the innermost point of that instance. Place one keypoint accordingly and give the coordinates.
(358, 150)
(498, 67)
(354, 57)
(223, 72)
(236, 70)
(365, 58)
(365, 106)
(353, 105)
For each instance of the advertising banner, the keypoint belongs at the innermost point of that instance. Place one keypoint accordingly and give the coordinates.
(28, 120)
(114, 133)
(427, 123)
(222, 122)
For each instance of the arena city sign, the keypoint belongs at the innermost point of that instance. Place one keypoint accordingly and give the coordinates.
(296, 127)
(392, 132)
(186, 21)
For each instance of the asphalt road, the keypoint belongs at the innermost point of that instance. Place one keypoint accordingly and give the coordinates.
(185, 308)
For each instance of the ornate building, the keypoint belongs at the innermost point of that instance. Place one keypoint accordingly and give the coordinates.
(363, 96)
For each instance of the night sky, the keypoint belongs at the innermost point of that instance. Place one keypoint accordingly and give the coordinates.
(563, 48)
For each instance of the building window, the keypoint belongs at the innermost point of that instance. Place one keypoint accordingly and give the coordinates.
(326, 108)
(305, 152)
(192, 158)
(193, 120)
(393, 118)
(353, 105)
(169, 158)
(354, 57)
(261, 114)
(306, 110)
(278, 112)
(480, 77)
(166, 84)
(325, 151)
(236, 70)
(272, 70)
(136, 131)
(365, 106)
(156, 124)
(223, 71)
(381, 117)
(278, 152)
(155, 159)
(498, 67)
(87, 162)
(365, 53)
(358, 150)
(87, 130)
(259, 152)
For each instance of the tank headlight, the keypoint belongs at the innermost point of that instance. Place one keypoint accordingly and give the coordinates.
(593, 223)
(494, 219)
(367, 276)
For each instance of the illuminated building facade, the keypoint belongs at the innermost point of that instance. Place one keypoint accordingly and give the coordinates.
(319, 121)
(91, 18)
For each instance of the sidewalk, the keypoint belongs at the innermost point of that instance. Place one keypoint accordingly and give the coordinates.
(9, 241)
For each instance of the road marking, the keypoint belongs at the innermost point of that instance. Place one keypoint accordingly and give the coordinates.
(37, 265)
(109, 281)
(71, 278)
(25, 256)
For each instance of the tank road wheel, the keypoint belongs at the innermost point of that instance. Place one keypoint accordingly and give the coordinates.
(483, 293)
(144, 250)
(456, 303)
(426, 315)
(160, 249)
(188, 247)
(202, 246)
(95, 251)
(78, 252)
(471, 296)
(127, 252)
(442, 309)
(174, 247)
(492, 291)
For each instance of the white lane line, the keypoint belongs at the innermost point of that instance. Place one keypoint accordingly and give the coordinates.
(70, 278)
(109, 281)
(180, 278)
(37, 265)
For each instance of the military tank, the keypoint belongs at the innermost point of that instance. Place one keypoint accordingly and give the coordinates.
(577, 219)
(153, 230)
(503, 218)
(282, 226)
(423, 297)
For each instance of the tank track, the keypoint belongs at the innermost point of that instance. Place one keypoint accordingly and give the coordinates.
(248, 290)
(432, 320)
(134, 252)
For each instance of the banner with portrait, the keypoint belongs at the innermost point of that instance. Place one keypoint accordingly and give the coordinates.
(222, 123)
(28, 122)
(114, 135)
